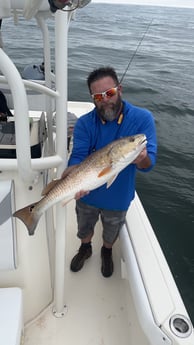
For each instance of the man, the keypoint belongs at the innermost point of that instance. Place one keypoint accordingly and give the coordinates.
(112, 118)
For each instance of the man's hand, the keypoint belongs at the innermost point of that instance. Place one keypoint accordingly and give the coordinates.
(80, 194)
(143, 161)
(141, 156)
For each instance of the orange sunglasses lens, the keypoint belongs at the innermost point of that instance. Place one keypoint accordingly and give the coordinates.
(108, 93)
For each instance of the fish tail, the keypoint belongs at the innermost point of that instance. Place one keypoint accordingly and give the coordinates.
(29, 217)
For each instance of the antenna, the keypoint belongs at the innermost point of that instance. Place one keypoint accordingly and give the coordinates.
(135, 52)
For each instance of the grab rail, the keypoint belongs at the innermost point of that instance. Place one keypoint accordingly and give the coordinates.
(22, 122)
(27, 168)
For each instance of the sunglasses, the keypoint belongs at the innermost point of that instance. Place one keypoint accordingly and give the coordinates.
(108, 93)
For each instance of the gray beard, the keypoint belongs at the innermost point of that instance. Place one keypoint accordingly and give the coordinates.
(111, 113)
(108, 115)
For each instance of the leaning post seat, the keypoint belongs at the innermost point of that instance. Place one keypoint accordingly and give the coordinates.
(38, 134)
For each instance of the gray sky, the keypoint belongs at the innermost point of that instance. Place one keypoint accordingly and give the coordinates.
(174, 3)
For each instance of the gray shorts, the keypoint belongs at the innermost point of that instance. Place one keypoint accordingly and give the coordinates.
(87, 217)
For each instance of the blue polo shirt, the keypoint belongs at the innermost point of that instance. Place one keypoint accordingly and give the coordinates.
(90, 134)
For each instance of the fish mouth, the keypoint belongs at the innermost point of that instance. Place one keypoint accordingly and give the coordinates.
(144, 141)
(141, 138)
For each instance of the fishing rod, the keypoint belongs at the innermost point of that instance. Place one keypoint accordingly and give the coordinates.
(135, 52)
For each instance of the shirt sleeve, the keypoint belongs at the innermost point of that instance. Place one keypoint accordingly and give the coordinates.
(81, 142)
(149, 129)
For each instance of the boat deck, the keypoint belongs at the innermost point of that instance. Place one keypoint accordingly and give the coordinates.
(97, 312)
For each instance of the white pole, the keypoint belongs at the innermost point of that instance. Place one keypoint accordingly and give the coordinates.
(61, 37)
(48, 83)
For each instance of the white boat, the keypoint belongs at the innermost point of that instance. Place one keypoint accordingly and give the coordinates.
(41, 301)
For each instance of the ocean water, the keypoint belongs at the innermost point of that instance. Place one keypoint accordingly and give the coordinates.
(160, 77)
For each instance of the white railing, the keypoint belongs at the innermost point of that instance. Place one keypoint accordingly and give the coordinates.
(29, 168)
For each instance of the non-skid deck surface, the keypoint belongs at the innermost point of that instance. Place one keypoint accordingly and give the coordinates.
(97, 309)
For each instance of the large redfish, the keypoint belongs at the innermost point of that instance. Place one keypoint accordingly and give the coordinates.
(99, 168)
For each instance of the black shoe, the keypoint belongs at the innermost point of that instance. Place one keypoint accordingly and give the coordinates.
(84, 252)
(107, 263)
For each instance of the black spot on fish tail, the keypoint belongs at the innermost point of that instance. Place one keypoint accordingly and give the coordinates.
(28, 217)
(31, 208)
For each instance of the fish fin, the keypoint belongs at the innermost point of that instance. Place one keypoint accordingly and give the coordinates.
(49, 186)
(53, 183)
(28, 217)
(105, 171)
(67, 171)
(65, 202)
(112, 179)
